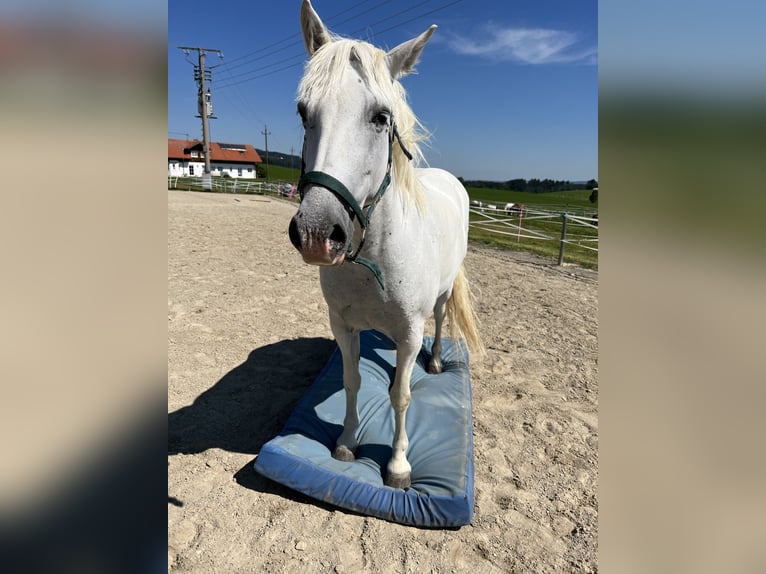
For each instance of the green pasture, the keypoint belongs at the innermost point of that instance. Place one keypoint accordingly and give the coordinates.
(575, 201)
(280, 173)
(572, 202)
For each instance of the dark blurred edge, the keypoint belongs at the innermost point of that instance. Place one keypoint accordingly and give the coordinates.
(688, 164)
(682, 195)
(104, 516)
(86, 81)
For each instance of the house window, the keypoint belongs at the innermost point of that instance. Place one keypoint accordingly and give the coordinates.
(195, 154)
(239, 172)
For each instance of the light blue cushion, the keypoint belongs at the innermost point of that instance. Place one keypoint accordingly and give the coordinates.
(439, 427)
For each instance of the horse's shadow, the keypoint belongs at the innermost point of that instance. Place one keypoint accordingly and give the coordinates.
(250, 404)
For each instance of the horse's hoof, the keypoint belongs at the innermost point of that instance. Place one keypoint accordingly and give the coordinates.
(398, 480)
(343, 453)
(434, 366)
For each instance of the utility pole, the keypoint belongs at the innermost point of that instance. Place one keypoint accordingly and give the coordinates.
(266, 133)
(204, 103)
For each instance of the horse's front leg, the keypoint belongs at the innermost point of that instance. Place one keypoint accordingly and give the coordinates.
(398, 470)
(348, 341)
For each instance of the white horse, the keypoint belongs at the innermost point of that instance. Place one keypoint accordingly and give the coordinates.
(392, 269)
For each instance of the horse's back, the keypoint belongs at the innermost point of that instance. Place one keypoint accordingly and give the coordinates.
(444, 192)
(446, 208)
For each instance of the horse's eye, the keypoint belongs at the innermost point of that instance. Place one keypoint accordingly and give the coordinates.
(302, 113)
(380, 119)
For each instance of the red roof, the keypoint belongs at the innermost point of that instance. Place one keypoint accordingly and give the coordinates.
(219, 151)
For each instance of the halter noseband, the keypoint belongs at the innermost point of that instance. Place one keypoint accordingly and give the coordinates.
(341, 191)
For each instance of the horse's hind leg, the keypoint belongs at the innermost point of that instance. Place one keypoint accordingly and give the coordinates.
(348, 341)
(440, 309)
(398, 470)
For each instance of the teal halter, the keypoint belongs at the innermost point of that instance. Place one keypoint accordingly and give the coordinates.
(341, 191)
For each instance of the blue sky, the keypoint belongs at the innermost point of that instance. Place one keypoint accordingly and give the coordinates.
(702, 48)
(508, 89)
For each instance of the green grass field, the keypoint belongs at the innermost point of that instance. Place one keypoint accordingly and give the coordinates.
(575, 201)
(279, 173)
(571, 202)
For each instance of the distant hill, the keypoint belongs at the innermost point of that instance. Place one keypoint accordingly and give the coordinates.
(280, 158)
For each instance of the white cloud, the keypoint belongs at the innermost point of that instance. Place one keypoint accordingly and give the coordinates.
(525, 45)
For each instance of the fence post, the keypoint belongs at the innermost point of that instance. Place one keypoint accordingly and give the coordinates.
(563, 237)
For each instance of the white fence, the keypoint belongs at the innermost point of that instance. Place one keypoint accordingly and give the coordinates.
(232, 185)
(539, 224)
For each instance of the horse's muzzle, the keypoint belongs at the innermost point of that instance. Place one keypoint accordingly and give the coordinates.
(316, 246)
(321, 235)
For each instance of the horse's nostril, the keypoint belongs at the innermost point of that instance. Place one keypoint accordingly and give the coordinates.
(338, 234)
(295, 237)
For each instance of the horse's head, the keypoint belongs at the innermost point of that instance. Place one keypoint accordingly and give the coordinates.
(348, 101)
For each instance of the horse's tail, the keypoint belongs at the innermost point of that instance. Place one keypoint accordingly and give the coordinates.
(463, 322)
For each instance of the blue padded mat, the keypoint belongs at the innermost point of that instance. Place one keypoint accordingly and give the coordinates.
(439, 426)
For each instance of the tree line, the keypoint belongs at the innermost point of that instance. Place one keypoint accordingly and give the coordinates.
(531, 185)
(280, 159)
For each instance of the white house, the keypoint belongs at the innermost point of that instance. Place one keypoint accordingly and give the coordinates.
(185, 158)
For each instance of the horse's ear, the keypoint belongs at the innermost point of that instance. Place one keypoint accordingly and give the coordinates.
(315, 35)
(402, 59)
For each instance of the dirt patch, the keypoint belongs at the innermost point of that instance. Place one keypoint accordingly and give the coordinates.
(248, 333)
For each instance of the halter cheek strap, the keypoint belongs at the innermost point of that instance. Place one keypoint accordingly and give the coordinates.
(341, 191)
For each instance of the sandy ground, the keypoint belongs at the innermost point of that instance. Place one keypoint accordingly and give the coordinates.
(248, 332)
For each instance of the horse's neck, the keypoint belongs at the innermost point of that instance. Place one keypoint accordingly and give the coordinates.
(389, 218)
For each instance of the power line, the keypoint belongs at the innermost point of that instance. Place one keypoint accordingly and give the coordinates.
(259, 76)
(357, 15)
(390, 17)
(241, 106)
(283, 60)
(440, 8)
(299, 42)
(298, 35)
(302, 56)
